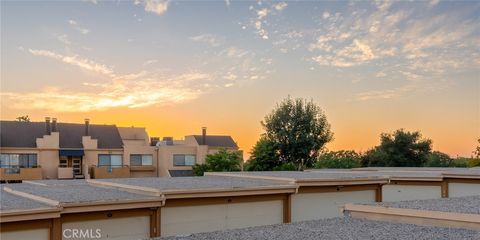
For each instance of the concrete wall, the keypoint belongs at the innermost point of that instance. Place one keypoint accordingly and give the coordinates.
(37, 234)
(206, 218)
(463, 189)
(310, 206)
(392, 192)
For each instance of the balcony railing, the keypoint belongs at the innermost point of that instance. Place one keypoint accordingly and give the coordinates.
(110, 171)
(18, 174)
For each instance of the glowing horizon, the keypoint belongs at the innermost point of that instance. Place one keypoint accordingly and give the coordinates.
(174, 67)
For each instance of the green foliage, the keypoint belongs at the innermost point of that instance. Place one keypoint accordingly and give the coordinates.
(23, 119)
(400, 149)
(473, 162)
(199, 169)
(299, 130)
(288, 166)
(339, 159)
(222, 161)
(439, 159)
(264, 156)
(477, 150)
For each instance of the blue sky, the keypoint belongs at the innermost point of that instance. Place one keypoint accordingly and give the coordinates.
(357, 59)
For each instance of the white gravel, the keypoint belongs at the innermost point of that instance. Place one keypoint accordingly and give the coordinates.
(337, 228)
(210, 182)
(469, 204)
(76, 191)
(12, 202)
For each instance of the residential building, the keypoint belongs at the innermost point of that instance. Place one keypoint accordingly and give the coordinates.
(54, 150)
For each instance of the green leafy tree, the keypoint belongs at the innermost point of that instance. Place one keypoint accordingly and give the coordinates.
(23, 119)
(339, 159)
(288, 166)
(477, 150)
(264, 156)
(221, 161)
(439, 159)
(399, 149)
(299, 130)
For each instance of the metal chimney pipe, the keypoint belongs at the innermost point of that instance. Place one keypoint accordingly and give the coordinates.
(204, 135)
(87, 127)
(47, 125)
(54, 124)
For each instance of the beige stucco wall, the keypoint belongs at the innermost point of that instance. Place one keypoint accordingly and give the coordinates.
(463, 189)
(311, 206)
(134, 148)
(38, 234)
(392, 192)
(117, 228)
(165, 157)
(49, 161)
(49, 141)
(206, 218)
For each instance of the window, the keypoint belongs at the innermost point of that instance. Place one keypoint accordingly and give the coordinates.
(141, 160)
(183, 160)
(18, 160)
(110, 161)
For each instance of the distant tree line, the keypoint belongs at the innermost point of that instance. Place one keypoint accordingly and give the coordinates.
(296, 132)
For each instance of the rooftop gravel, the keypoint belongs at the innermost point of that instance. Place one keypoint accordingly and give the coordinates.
(337, 228)
(469, 204)
(306, 175)
(13, 202)
(75, 191)
(205, 182)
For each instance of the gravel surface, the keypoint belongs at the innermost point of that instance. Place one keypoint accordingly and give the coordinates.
(76, 191)
(177, 183)
(325, 174)
(469, 204)
(337, 228)
(9, 201)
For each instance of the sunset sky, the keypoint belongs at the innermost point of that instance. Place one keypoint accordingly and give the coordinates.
(176, 66)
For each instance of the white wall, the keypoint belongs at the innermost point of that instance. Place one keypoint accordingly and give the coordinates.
(463, 189)
(207, 218)
(310, 206)
(393, 192)
(37, 234)
(116, 228)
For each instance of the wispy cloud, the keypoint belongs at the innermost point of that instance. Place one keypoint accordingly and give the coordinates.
(419, 47)
(75, 60)
(158, 7)
(134, 90)
(210, 39)
(78, 27)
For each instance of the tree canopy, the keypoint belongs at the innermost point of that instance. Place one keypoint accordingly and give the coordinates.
(399, 149)
(298, 130)
(339, 159)
(264, 156)
(221, 161)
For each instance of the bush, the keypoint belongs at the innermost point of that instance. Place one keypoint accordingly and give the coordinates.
(222, 161)
(339, 159)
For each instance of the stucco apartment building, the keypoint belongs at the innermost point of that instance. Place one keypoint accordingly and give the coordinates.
(54, 150)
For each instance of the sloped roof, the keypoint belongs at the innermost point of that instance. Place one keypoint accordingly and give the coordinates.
(24, 134)
(216, 141)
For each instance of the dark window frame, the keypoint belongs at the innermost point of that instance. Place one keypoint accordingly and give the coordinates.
(184, 160)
